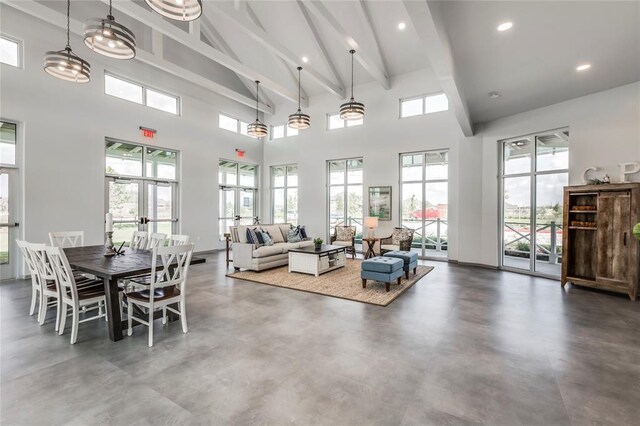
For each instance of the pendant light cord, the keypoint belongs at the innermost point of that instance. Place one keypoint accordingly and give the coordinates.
(110, 10)
(299, 89)
(257, 98)
(68, 23)
(352, 52)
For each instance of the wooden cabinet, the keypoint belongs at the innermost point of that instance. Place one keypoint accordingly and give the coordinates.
(598, 248)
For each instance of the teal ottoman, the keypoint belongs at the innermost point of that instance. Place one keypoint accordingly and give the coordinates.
(409, 258)
(384, 269)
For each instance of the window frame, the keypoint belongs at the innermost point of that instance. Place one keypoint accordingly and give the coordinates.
(286, 188)
(20, 43)
(237, 188)
(287, 129)
(238, 126)
(346, 186)
(532, 174)
(345, 124)
(144, 93)
(424, 98)
(143, 160)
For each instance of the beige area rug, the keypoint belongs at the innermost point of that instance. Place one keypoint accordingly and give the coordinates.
(344, 283)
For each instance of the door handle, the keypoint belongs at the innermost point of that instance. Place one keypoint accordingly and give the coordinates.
(625, 239)
(9, 225)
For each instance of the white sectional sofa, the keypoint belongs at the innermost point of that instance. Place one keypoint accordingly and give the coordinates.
(248, 256)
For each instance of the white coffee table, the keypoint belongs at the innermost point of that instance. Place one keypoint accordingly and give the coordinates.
(308, 260)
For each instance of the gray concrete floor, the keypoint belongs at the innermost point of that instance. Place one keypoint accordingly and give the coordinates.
(463, 346)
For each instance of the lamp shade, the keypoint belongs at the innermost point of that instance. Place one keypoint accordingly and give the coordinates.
(371, 222)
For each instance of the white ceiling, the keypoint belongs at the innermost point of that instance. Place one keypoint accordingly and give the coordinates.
(532, 65)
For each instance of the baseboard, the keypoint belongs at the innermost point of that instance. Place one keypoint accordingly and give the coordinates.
(212, 251)
(475, 265)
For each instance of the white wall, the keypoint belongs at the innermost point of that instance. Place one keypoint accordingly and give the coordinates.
(65, 126)
(604, 131)
(379, 141)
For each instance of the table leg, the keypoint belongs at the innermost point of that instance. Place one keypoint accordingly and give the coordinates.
(113, 309)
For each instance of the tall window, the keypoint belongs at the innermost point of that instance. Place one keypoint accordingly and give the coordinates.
(335, 122)
(238, 191)
(284, 194)
(9, 52)
(345, 194)
(534, 171)
(424, 200)
(421, 105)
(141, 186)
(140, 94)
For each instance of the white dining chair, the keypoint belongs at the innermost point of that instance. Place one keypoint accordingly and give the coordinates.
(49, 296)
(139, 240)
(67, 239)
(156, 240)
(167, 286)
(36, 285)
(178, 240)
(91, 296)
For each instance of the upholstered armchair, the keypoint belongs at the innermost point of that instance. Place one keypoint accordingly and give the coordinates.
(345, 236)
(400, 239)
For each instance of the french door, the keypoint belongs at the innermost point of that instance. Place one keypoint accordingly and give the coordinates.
(8, 222)
(141, 205)
(534, 171)
(424, 201)
(238, 195)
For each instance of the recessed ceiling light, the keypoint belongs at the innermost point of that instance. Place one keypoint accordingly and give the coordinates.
(505, 26)
(494, 95)
(305, 59)
(583, 67)
(402, 26)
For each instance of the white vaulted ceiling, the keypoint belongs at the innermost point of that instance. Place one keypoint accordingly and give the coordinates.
(531, 65)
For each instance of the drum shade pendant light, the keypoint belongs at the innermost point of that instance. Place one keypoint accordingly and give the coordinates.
(352, 110)
(299, 120)
(109, 38)
(180, 10)
(66, 65)
(257, 128)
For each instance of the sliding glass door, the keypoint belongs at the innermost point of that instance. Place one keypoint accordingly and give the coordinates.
(424, 195)
(534, 173)
(238, 195)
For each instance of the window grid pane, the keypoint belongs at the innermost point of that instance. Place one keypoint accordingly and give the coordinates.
(7, 143)
(227, 123)
(436, 103)
(9, 51)
(162, 102)
(277, 132)
(412, 107)
(122, 89)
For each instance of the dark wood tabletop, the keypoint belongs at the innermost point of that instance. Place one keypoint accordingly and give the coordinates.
(110, 269)
(91, 259)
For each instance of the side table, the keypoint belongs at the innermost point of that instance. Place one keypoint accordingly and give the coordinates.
(371, 243)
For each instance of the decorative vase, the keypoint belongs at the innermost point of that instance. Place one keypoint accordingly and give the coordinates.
(318, 246)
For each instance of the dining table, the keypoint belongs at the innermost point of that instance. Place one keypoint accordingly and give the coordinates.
(111, 269)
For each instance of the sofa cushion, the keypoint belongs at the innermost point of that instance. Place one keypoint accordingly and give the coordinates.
(344, 233)
(253, 238)
(341, 243)
(275, 233)
(268, 251)
(389, 247)
(307, 243)
(400, 234)
(284, 229)
(406, 256)
(242, 233)
(288, 246)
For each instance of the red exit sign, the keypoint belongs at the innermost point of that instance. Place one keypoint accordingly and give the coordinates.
(147, 132)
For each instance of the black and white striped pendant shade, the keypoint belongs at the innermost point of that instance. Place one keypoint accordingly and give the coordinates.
(352, 110)
(109, 38)
(179, 10)
(66, 65)
(299, 120)
(257, 129)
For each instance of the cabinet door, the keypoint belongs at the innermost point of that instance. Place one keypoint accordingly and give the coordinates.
(614, 238)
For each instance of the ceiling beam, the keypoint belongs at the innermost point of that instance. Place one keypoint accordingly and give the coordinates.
(320, 44)
(211, 34)
(364, 8)
(155, 59)
(262, 37)
(154, 21)
(248, 10)
(345, 38)
(430, 28)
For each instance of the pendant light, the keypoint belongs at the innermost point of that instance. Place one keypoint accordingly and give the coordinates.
(66, 65)
(299, 120)
(352, 110)
(109, 38)
(179, 10)
(257, 128)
